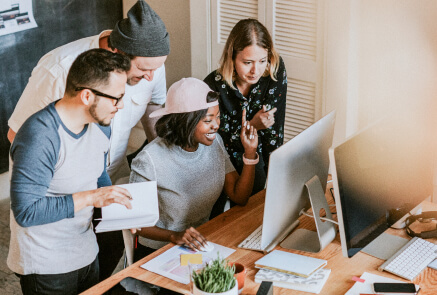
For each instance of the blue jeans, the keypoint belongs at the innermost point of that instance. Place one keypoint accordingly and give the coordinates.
(73, 282)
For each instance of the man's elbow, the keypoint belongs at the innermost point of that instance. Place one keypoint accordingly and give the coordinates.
(24, 222)
(23, 219)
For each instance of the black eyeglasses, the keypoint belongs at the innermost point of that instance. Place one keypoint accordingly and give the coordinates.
(96, 92)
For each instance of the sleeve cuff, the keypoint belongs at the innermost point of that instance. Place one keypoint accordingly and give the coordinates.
(70, 206)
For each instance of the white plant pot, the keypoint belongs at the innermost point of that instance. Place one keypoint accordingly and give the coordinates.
(233, 291)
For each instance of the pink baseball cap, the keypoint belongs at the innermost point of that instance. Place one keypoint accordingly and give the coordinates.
(185, 96)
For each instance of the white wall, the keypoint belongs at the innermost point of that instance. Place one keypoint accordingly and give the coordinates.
(380, 54)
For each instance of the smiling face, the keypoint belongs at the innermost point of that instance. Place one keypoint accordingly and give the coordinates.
(104, 109)
(144, 68)
(207, 127)
(250, 64)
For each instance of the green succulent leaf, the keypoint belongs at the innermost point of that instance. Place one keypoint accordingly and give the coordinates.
(216, 277)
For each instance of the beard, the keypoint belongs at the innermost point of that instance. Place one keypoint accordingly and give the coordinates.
(93, 113)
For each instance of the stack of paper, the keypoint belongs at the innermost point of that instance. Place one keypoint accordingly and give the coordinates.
(295, 264)
(144, 212)
(293, 271)
(313, 284)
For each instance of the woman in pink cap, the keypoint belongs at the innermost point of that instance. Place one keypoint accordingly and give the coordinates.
(191, 166)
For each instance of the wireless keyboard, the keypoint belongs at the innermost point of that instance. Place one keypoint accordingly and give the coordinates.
(253, 241)
(411, 259)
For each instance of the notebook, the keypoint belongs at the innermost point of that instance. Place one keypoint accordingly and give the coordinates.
(290, 263)
(313, 284)
(144, 212)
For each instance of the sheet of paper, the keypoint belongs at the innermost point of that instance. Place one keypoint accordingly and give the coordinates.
(366, 287)
(119, 224)
(144, 212)
(145, 201)
(15, 16)
(168, 264)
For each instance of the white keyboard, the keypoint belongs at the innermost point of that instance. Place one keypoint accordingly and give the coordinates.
(411, 259)
(253, 241)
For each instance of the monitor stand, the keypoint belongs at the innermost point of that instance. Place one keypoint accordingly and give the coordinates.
(310, 241)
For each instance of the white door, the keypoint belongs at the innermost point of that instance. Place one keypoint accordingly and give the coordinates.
(295, 26)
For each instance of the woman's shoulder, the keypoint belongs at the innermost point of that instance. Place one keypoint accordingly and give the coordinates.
(213, 78)
(152, 149)
(281, 63)
(212, 75)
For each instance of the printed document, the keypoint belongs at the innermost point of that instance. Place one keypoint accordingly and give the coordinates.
(168, 264)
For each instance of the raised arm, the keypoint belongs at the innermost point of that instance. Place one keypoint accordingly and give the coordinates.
(239, 187)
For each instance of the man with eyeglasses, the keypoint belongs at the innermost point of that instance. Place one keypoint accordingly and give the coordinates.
(59, 176)
(142, 37)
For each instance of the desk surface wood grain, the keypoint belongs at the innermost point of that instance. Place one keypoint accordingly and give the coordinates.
(231, 227)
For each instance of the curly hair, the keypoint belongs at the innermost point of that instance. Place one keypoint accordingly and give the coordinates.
(178, 129)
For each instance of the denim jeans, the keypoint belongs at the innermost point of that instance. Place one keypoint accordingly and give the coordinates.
(73, 282)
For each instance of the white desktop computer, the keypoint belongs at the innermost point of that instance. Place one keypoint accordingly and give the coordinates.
(296, 181)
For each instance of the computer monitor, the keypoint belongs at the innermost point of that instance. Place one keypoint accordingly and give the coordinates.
(290, 167)
(379, 175)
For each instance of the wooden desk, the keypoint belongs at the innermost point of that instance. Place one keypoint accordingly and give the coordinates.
(231, 227)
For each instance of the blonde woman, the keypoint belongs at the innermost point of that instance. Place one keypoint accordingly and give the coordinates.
(251, 76)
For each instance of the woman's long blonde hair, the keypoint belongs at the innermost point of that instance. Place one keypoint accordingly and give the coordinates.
(245, 33)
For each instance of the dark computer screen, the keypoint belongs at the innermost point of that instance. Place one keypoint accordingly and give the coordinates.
(382, 173)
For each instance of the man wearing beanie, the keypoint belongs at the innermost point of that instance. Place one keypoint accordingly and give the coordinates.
(141, 36)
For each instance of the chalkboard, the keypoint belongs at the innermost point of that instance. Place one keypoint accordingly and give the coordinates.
(59, 22)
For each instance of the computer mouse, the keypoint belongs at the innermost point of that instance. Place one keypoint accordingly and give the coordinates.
(209, 247)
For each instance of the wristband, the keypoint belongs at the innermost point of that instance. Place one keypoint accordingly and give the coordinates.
(247, 161)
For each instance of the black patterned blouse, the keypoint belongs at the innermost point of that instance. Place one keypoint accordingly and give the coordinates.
(264, 92)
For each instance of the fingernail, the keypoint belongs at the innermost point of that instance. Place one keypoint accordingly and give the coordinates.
(245, 123)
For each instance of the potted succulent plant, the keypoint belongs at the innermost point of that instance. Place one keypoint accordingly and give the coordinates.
(216, 277)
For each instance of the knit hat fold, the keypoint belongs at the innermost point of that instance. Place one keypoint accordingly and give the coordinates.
(142, 33)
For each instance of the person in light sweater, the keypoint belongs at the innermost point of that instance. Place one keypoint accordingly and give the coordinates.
(191, 166)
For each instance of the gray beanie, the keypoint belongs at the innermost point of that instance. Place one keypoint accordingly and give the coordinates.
(142, 33)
